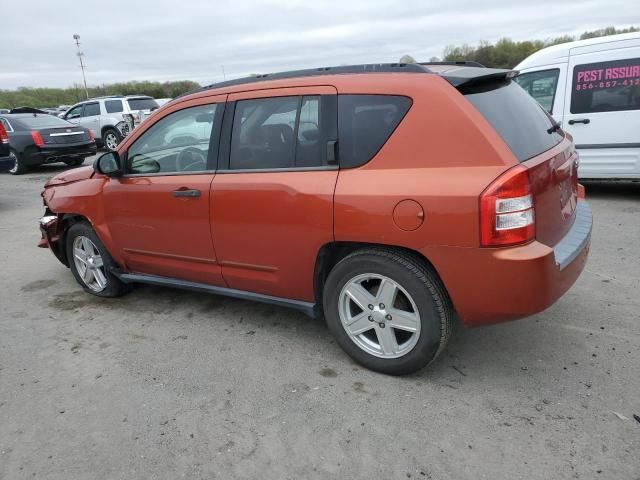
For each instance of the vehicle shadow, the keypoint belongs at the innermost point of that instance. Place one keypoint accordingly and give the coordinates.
(473, 354)
(627, 189)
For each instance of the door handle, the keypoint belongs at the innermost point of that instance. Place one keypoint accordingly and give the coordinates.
(579, 120)
(185, 192)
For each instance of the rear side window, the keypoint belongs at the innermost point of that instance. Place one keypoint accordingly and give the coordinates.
(113, 106)
(365, 123)
(606, 86)
(142, 103)
(541, 85)
(521, 122)
(91, 109)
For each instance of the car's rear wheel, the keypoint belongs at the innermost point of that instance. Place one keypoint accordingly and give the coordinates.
(111, 139)
(90, 262)
(18, 165)
(387, 310)
(76, 162)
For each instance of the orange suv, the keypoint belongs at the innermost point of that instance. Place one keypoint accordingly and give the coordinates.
(386, 198)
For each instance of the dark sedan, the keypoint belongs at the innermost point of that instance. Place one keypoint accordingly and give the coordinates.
(37, 138)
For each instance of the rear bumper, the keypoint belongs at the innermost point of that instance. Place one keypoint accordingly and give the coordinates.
(496, 285)
(59, 153)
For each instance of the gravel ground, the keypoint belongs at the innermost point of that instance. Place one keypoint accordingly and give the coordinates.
(164, 384)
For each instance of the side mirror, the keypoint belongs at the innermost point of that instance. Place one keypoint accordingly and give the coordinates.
(108, 164)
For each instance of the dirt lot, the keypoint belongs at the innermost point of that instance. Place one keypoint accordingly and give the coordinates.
(165, 384)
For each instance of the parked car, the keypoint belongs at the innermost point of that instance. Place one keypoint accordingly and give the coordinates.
(6, 157)
(107, 117)
(36, 139)
(592, 88)
(382, 197)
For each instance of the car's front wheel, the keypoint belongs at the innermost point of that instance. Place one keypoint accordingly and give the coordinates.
(387, 310)
(90, 262)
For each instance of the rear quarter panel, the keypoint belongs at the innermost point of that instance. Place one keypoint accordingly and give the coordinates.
(442, 155)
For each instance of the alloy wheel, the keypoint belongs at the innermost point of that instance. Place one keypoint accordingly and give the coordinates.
(15, 167)
(379, 315)
(89, 264)
(110, 141)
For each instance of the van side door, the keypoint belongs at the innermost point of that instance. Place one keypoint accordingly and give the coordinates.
(602, 108)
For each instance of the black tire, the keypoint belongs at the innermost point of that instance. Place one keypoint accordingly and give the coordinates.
(76, 162)
(106, 135)
(114, 287)
(420, 282)
(19, 167)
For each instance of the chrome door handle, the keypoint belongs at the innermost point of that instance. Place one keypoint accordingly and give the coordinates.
(186, 193)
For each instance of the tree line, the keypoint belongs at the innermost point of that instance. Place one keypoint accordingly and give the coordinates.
(506, 53)
(53, 97)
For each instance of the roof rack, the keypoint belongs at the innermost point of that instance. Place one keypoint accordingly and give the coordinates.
(465, 63)
(312, 72)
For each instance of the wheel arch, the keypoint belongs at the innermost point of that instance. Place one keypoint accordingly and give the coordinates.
(106, 127)
(331, 253)
(66, 221)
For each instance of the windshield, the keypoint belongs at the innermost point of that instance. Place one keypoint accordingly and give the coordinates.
(42, 121)
(142, 103)
(521, 122)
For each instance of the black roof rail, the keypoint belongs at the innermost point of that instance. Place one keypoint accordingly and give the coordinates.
(312, 72)
(464, 63)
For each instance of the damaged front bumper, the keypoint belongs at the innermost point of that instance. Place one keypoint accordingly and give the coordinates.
(51, 232)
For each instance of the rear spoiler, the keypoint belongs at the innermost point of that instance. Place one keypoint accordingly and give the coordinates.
(465, 74)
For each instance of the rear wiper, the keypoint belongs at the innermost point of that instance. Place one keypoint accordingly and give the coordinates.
(553, 128)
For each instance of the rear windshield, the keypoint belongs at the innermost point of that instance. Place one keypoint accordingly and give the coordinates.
(41, 121)
(519, 119)
(142, 103)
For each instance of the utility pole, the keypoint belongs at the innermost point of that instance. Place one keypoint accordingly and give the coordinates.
(76, 37)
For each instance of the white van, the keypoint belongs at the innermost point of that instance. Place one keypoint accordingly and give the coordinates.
(592, 88)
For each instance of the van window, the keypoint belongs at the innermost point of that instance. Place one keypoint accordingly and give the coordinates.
(541, 85)
(521, 122)
(277, 132)
(606, 86)
(365, 122)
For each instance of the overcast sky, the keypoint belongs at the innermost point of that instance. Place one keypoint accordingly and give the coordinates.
(195, 39)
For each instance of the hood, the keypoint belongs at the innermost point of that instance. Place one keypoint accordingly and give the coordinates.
(70, 176)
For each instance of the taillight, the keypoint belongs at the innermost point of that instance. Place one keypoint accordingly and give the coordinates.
(91, 137)
(507, 214)
(4, 138)
(37, 138)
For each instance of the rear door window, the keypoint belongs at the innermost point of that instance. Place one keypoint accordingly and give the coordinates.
(365, 122)
(541, 85)
(606, 86)
(113, 106)
(521, 122)
(279, 132)
(91, 109)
